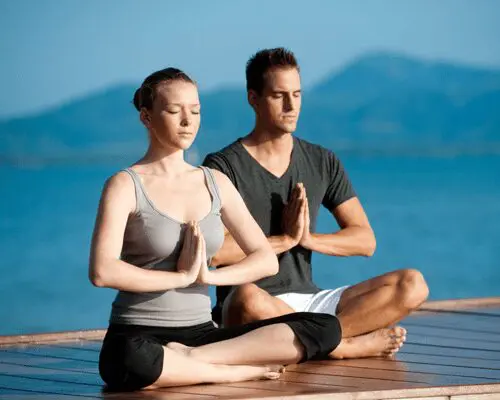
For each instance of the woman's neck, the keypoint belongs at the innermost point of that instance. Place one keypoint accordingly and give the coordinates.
(161, 160)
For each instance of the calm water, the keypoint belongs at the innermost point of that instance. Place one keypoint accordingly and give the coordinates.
(441, 215)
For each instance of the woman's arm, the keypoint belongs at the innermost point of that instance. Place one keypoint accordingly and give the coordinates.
(105, 267)
(260, 260)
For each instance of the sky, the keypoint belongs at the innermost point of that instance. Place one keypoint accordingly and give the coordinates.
(53, 51)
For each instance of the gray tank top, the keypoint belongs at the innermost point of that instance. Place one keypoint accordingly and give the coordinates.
(153, 240)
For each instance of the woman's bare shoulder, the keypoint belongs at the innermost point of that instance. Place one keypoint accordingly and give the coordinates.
(119, 188)
(228, 192)
(119, 181)
(221, 178)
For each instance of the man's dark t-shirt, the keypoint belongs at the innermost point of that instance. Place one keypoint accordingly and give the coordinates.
(265, 195)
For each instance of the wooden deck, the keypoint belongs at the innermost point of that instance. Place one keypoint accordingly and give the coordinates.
(452, 352)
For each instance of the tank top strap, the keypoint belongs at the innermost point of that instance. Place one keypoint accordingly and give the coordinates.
(213, 188)
(139, 189)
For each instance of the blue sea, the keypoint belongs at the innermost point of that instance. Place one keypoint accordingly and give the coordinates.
(438, 214)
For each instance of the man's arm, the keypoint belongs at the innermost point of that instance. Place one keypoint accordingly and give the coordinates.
(355, 238)
(231, 253)
(293, 228)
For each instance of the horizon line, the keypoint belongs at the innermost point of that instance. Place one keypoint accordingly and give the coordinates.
(37, 111)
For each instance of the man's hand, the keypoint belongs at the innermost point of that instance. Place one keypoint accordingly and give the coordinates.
(306, 233)
(190, 259)
(293, 215)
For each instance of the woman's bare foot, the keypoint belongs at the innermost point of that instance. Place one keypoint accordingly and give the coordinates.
(252, 372)
(274, 371)
(179, 348)
(380, 343)
(240, 373)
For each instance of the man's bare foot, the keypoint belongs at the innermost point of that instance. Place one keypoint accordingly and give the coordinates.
(380, 343)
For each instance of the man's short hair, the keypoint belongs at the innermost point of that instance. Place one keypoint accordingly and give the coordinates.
(264, 60)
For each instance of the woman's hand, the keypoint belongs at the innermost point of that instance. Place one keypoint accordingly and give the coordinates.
(205, 274)
(190, 259)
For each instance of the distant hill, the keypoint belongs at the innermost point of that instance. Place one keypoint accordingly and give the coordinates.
(378, 102)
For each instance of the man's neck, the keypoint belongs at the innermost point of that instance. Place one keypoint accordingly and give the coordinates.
(263, 142)
(272, 151)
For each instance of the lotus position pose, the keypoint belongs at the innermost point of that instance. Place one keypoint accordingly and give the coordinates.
(284, 180)
(159, 223)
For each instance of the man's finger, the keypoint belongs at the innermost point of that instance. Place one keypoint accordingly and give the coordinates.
(301, 206)
(295, 193)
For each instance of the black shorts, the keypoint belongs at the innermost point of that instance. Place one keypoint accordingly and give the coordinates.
(132, 356)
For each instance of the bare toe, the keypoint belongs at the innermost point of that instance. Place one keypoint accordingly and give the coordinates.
(398, 331)
(276, 368)
(272, 375)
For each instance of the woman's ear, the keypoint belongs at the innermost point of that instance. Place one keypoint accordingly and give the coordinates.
(145, 117)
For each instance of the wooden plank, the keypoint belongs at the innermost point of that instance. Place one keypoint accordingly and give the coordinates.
(472, 323)
(369, 374)
(27, 396)
(475, 374)
(448, 351)
(48, 386)
(11, 367)
(22, 388)
(279, 387)
(490, 396)
(419, 393)
(454, 343)
(225, 391)
(430, 323)
(156, 395)
(446, 360)
(426, 398)
(55, 352)
(13, 394)
(444, 332)
(84, 345)
(59, 375)
(462, 304)
(64, 378)
(52, 337)
(353, 381)
(484, 312)
(49, 362)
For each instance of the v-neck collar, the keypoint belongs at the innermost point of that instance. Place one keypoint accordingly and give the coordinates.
(264, 169)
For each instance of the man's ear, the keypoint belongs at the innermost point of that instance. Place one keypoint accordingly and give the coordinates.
(145, 117)
(252, 98)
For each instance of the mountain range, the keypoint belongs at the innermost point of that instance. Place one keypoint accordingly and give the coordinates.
(378, 102)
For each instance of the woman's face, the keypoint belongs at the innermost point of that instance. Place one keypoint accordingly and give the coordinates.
(175, 118)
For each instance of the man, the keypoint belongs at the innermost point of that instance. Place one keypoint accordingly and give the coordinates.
(283, 181)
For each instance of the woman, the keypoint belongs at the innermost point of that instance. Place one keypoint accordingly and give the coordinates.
(158, 223)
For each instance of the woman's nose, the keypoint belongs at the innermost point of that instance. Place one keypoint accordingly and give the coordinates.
(186, 119)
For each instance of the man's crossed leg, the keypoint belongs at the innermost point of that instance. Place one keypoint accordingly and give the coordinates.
(366, 310)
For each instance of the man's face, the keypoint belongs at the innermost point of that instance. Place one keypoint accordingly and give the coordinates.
(278, 106)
